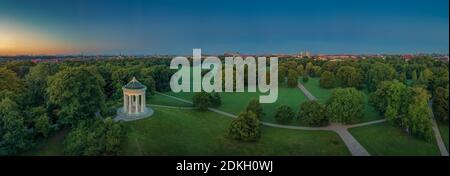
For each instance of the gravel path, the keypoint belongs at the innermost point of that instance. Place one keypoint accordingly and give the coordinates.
(342, 130)
(352, 144)
(437, 134)
(306, 92)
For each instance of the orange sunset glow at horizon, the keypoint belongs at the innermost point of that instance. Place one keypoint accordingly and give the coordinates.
(18, 39)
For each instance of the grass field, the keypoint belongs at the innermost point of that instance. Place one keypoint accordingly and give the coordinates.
(443, 128)
(313, 86)
(189, 132)
(164, 100)
(322, 95)
(235, 102)
(386, 140)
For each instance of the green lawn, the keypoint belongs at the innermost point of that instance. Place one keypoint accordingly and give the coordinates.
(386, 140)
(322, 95)
(164, 100)
(443, 128)
(189, 132)
(235, 102)
(313, 86)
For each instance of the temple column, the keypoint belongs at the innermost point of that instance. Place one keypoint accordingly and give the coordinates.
(142, 103)
(129, 104)
(124, 103)
(136, 103)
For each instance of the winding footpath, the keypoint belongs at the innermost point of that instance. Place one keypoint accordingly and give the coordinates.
(352, 144)
(437, 134)
(355, 148)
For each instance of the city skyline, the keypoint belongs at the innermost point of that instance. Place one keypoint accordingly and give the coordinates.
(175, 27)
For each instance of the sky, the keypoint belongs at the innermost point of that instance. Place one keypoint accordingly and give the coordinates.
(251, 27)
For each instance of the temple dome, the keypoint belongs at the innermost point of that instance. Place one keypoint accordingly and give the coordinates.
(134, 84)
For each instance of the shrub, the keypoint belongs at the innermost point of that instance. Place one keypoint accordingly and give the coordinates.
(201, 101)
(284, 114)
(246, 127)
(313, 113)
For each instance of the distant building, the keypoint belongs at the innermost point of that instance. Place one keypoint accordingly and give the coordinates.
(44, 60)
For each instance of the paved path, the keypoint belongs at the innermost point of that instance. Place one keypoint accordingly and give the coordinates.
(306, 92)
(352, 144)
(342, 130)
(437, 133)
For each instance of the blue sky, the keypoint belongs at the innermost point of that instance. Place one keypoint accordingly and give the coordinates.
(253, 27)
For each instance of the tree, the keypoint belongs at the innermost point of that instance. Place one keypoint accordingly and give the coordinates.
(300, 70)
(414, 76)
(21, 68)
(345, 105)
(327, 80)
(14, 136)
(38, 118)
(255, 107)
(36, 82)
(417, 121)
(9, 80)
(215, 99)
(330, 66)
(313, 113)
(440, 79)
(402, 77)
(161, 74)
(308, 68)
(284, 114)
(78, 93)
(348, 76)
(440, 104)
(246, 127)
(391, 98)
(43, 125)
(378, 73)
(282, 74)
(292, 78)
(305, 78)
(95, 137)
(201, 101)
(425, 77)
(148, 81)
(315, 71)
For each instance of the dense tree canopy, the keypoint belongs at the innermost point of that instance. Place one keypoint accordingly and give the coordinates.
(9, 80)
(14, 136)
(282, 71)
(345, 105)
(440, 104)
(78, 94)
(95, 137)
(36, 82)
(292, 78)
(405, 107)
(348, 76)
(378, 73)
(391, 99)
(327, 80)
(417, 121)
